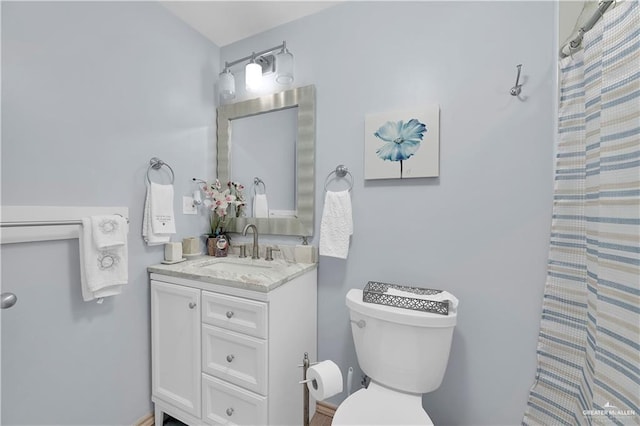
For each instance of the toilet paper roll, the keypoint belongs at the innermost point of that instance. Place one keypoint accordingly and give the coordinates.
(324, 380)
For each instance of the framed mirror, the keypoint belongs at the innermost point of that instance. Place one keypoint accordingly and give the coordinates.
(296, 216)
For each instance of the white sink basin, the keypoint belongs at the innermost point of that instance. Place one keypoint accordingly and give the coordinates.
(238, 266)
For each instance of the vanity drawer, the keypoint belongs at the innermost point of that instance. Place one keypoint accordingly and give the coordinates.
(234, 313)
(226, 404)
(239, 359)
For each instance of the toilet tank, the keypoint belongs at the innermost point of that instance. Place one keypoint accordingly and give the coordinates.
(403, 349)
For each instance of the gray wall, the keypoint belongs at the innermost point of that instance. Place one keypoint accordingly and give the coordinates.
(90, 92)
(481, 229)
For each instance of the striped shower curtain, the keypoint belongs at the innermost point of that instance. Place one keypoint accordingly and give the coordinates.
(588, 352)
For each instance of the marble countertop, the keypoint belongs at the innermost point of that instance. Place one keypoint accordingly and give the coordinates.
(246, 273)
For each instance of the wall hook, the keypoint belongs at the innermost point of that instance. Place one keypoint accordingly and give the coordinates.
(515, 90)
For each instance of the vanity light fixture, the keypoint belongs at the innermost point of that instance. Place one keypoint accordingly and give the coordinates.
(259, 64)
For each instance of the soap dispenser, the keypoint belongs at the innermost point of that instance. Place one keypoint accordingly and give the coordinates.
(305, 253)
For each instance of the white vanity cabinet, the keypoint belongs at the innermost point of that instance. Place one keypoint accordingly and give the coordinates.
(226, 355)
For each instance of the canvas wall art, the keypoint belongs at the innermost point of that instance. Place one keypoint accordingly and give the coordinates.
(402, 144)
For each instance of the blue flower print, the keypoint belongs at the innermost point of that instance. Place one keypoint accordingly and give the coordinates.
(402, 140)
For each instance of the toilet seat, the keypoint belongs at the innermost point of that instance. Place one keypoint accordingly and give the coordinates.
(378, 405)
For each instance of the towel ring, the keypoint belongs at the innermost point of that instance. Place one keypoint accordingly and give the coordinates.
(155, 163)
(257, 182)
(341, 171)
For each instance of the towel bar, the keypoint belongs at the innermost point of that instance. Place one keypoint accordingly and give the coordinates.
(21, 224)
(47, 222)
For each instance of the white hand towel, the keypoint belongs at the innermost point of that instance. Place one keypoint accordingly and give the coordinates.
(103, 272)
(109, 230)
(336, 225)
(161, 209)
(151, 237)
(443, 296)
(260, 206)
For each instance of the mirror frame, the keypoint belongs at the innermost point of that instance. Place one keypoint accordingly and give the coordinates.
(304, 98)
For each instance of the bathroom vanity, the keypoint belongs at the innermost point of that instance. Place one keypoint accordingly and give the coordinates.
(228, 336)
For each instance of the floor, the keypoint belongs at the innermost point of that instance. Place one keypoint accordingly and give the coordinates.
(317, 420)
(170, 421)
(320, 420)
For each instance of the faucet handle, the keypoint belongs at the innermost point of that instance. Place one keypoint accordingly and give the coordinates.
(243, 250)
(270, 251)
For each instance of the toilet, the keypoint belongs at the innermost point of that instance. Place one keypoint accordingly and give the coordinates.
(405, 354)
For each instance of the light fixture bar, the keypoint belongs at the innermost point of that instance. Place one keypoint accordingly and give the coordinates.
(256, 54)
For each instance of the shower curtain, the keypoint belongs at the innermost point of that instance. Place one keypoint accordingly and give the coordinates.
(588, 351)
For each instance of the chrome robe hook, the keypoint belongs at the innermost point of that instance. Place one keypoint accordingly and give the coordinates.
(515, 90)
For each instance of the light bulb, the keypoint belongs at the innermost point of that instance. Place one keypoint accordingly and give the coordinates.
(252, 76)
(227, 85)
(284, 67)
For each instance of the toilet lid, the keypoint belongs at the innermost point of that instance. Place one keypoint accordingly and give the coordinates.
(378, 405)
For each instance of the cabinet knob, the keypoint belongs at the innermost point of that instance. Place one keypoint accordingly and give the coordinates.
(192, 305)
(230, 358)
(229, 314)
(229, 411)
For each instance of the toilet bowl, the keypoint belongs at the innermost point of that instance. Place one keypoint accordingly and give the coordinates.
(405, 354)
(377, 405)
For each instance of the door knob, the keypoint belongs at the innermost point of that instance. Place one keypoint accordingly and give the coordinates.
(192, 305)
(7, 300)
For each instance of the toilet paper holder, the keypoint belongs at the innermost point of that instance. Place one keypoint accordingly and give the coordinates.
(320, 381)
(313, 382)
(305, 391)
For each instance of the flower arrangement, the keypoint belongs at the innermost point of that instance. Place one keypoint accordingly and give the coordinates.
(225, 205)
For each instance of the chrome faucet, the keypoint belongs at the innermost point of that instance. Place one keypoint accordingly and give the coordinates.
(254, 250)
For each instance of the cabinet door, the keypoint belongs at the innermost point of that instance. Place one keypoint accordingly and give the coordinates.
(175, 345)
